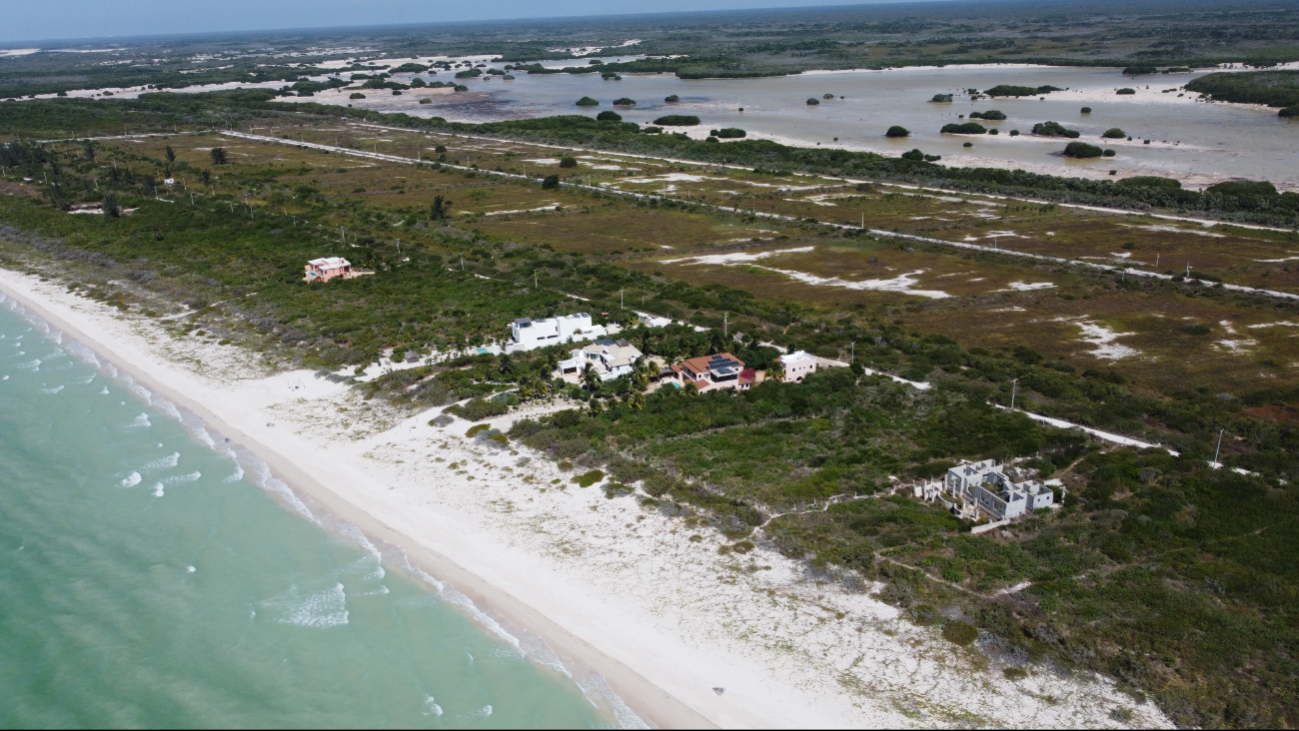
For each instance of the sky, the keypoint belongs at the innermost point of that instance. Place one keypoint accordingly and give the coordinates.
(45, 20)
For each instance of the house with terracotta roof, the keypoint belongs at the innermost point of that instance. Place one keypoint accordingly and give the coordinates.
(325, 269)
(715, 372)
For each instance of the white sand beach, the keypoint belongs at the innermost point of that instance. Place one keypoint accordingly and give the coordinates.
(685, 636)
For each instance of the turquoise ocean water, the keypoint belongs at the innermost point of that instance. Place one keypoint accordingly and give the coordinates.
(148, 579)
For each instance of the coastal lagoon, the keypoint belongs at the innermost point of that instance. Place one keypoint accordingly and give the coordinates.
(1194, 141)
(152, 577)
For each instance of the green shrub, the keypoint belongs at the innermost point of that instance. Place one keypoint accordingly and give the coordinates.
(1086, 110)
(1110, 153)
(475, 429)
(499, 438)
(550, 182)
(356, 95)
(1054, 129)
(677, 120)
(916, 155)
(731, 133)
(585, 101)
(670, 98)
(991, 114)
(567, 162)
(624, 102)
(813, 101)
(968, 128)
(564, 466)
(1114, 133)
(742, 547)
(608, 116)
(1243, 188)
(1082, 150)
(960, 633)
(479, 408)
(942, 99)
(1150, 181)
(897, 131)
(1126, 91)
(1018, 91)
(589, 478)
(1014, 673)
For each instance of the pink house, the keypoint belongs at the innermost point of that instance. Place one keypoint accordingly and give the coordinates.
(323, 270)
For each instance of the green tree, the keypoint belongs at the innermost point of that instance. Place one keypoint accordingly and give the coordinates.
(568, 162)
(111, 207)
(218, 156)
(550, 182)
(439, 209)
(591, 378)
(171, 154)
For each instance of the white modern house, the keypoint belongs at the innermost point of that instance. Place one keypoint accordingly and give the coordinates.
(327, 268)
(797, 365)
(529, 334)
(610, 358)
(971, 488)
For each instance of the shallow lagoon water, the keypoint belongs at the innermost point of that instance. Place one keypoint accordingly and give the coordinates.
(147, 581)
(1195, 141)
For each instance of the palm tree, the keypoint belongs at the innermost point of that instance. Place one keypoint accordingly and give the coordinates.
(439, 209)
(636, 401)
(590, 378)
(777, 370)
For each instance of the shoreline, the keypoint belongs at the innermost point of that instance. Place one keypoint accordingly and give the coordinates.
(646, 700)
(682, 634)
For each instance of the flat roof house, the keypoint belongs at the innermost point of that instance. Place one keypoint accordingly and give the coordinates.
(529, 334)
(985, 487)
(325, 269)
(798, 365)
(715, 372)
(610, 358)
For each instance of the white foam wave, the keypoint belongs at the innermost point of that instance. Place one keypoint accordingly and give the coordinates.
(367, 567)
(320, 609)
(140, 422)
(158, 490)
(85, 380)
(104, 391)
(237, 475)
(31, 365)
(5, 378)
(130, 480)
(431, 708)
(165, 463)
(182, 479)
(56, 389)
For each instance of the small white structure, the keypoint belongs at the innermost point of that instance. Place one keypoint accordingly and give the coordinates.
(323, 270)
(983, 487)
(529, 334)
(797, 365)
(610, 358)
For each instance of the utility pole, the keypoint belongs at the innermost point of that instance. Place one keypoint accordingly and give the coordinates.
(462, 262)
(724, 328)
(1014, 386)
(621, 300)
(852, 352)
(1188, 270)
(1216, 452)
